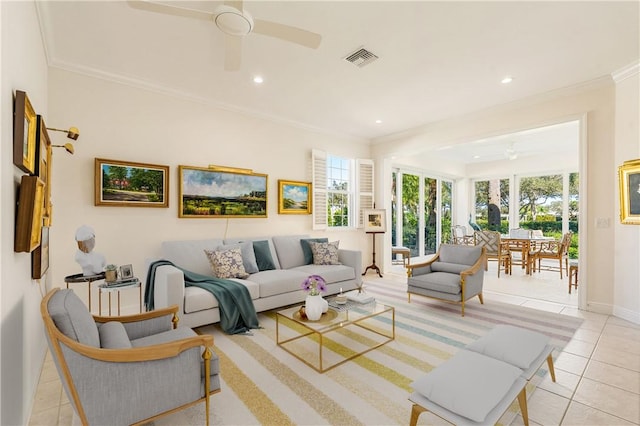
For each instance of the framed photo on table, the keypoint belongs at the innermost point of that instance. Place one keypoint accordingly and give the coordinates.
(375, 220)
(629, 179)
(294, 197)
(126, 272)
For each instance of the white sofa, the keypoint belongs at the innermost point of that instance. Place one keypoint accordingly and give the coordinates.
(269, 289)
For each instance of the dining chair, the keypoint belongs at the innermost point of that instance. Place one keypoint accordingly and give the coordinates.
(553, 250)
(459, 236)
(496, 249)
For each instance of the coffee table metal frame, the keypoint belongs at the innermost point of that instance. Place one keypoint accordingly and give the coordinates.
(354, 316)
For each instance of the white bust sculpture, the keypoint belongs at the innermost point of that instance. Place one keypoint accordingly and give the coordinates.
(91, 263)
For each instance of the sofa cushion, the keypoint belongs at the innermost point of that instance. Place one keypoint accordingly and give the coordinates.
(330, 273)
(325, 253)
(72, 318)
(437, 281)
(452, 268)
(190, 254)
(113, 336)
(262, 251)
(289, 250)
(455, 253)
(515, 345)
(227, 263)
(247, 253)
(272, 249)
(279, 281)
(468, 384)
(306, 248)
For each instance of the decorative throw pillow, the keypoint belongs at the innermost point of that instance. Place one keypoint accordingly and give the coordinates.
(246, 251)
(306, 248)
(227, 263)
(325, 253)
(263, 255)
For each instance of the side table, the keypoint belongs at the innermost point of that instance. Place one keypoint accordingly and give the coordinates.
(79, 278)
(110, 288)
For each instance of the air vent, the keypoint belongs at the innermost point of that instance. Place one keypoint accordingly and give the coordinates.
(361, 57)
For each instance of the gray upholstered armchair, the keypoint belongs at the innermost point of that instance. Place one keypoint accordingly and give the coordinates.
(129, 369)
(455, 273)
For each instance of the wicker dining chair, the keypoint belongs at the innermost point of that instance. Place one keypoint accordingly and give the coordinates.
(553, 250)
(496, 249)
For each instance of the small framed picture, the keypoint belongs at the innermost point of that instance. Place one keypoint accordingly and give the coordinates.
(126, 272)
(629, 178)
(375, 220)
(294, 197)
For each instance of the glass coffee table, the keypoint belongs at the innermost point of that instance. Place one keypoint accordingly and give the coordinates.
(341, 334)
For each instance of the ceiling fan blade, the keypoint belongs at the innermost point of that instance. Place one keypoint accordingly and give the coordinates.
(232, 53)
(287, 33)
(158, 7)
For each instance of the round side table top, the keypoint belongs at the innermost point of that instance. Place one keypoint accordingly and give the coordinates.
(79, 278)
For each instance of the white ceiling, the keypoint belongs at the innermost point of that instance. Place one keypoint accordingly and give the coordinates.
(436, 59)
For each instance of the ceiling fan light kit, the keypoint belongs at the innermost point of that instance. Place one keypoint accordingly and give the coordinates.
(232, 21)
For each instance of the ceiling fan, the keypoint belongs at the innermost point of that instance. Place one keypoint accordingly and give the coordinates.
(235, 23)
(511, 152)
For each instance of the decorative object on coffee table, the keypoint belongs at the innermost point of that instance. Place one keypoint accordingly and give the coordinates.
(315, 305)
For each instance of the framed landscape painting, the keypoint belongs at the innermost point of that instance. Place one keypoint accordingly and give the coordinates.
(294, 197)
(129, 184)
(24, 133)
(211, 193)
(629, 178)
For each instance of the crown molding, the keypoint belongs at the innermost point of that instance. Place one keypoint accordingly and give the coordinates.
(626, 72)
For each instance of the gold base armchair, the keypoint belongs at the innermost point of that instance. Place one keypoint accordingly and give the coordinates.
(129, 369)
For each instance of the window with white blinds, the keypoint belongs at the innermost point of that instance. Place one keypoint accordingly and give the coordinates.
(342, 188)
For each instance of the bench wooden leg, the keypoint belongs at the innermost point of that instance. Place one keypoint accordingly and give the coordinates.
(522, 401)
(416, 410)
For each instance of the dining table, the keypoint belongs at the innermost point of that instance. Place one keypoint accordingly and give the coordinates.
(525, 246)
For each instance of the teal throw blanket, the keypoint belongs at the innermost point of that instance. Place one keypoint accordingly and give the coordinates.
(237, 313)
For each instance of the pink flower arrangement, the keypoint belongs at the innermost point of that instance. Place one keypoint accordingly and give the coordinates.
(314, 284)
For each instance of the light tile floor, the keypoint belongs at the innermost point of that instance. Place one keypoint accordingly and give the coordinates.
(597, 374)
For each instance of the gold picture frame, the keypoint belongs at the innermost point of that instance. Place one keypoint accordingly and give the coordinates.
(29, 220)
(294, 197)
(130, 184)
(43, 167)
(221, 192)
(629, 179)
(375, 220)
(24, 133)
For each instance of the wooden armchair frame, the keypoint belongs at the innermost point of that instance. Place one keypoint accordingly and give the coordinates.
(138, 354)
(553, 250)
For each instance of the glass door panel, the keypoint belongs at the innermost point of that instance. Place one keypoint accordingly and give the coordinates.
(445, 211)
(430, 215)
(410, 212)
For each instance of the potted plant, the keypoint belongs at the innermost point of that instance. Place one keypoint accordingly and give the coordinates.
(110, 273)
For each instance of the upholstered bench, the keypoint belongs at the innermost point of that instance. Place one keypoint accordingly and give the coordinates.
(404, 251)
(477, 389)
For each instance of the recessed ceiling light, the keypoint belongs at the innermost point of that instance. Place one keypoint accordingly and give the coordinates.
(378, 121)
(508, 79)
(258, 79)
(476, 157)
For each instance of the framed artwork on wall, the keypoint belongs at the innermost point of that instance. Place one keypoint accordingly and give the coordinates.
(375, 220)
(130, 184)
(43, 167)
(40, 256)
(29, 214)
(294, 197)
(24, 133)
(222, 192)
(629, 180)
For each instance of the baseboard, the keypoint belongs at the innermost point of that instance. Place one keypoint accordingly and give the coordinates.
(600, 308)
(626, 314)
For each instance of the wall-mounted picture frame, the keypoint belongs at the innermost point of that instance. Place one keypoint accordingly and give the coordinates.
(29, 214)
(24, 133)
(131, 184)
(40, 256)
(294, 197)
(125, 272)
(221, 193)
(629, 179)
(43, 167)
(375, 220)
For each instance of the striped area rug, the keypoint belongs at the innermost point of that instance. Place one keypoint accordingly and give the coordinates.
(263, 384)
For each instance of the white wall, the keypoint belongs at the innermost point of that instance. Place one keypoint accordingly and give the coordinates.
(627, 237)
(595, 102)
(121, 122)
(23, 344)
